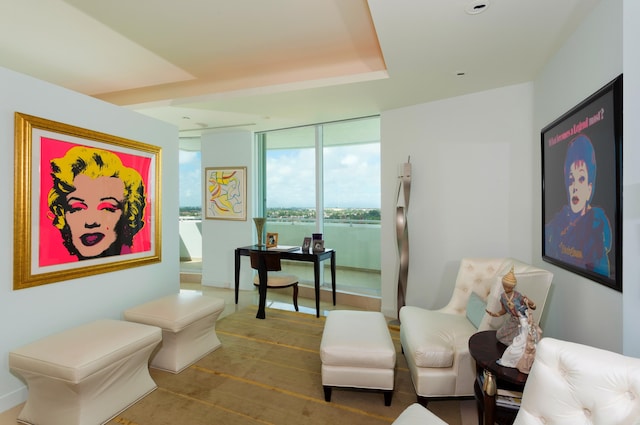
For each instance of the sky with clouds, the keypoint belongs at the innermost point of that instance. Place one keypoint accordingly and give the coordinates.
(190, 178)
(351, 177)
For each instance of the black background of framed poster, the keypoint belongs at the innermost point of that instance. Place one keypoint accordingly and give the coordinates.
(599, 118)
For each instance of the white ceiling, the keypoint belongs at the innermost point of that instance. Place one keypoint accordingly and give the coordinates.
(258, 64)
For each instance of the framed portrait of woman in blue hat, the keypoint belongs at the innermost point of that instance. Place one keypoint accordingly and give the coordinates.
(581, 188)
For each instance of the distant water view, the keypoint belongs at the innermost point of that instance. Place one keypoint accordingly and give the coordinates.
(335, 215)
(353, 232)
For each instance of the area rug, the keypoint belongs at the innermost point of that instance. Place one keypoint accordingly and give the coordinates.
(268, 372)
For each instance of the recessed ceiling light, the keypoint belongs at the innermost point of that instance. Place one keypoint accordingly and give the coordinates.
(477, 6)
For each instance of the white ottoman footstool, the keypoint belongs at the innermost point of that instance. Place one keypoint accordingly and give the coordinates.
(188, 321)
(357, 352)
(86, 375)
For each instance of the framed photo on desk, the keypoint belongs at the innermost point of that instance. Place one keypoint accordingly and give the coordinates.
(306, 244)
(318, 245)
(272, 240)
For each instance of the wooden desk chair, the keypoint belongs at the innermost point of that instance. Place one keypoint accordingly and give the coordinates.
(275, 277)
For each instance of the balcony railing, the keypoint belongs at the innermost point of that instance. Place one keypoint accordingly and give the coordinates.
(357, 245)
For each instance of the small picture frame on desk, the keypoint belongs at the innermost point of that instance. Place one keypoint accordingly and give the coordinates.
(318, 245)
(306, 244)
(272, 240)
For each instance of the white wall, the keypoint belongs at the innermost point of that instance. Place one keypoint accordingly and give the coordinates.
(29, 314)
(579, 309)
(476, 183)
(472, 182)
(221, 237)
(631, 179)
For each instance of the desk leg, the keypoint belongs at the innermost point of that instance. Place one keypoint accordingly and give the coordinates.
(316, 279)
(237, 277)
(333, 276)
(262, 289)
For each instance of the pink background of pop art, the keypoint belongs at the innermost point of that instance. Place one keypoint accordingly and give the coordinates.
(51, 249)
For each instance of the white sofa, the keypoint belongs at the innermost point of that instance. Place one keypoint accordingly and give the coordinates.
(569, 383)
(416, 414)
(572, 383)
(435, 343)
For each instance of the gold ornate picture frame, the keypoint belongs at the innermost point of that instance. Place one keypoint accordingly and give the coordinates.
(85, 202)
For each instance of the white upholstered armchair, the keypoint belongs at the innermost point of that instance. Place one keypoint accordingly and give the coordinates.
(436, 342)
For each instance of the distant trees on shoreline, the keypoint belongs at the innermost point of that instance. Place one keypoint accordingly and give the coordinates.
(337, 214)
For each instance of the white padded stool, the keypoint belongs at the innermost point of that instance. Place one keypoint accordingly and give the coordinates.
(357, 352)
(188, 321)
(86, 375)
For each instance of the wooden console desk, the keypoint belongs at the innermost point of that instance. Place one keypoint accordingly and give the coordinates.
(313, 257)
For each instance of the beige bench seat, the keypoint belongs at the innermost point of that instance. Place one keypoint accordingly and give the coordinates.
(86, 375)
(187, 320)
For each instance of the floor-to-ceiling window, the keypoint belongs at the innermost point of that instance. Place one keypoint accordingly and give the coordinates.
(325, 179)
(190, 184)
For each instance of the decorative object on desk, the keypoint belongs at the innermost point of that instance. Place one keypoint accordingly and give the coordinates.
(272, 240)
(316, 236)
(259, 221)
(318, 245)
(514, 303)
(402, 231)
(283, 248)
(306, 244)
(226, 193)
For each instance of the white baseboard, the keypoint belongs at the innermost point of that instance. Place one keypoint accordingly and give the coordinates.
(12, 399)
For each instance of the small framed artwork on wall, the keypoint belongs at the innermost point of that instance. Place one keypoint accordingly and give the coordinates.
(225, 193)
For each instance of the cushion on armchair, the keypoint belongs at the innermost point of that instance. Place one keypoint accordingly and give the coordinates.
(476, 309)
(434, 345)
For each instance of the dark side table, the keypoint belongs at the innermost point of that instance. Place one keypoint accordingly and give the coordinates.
(485, 349)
